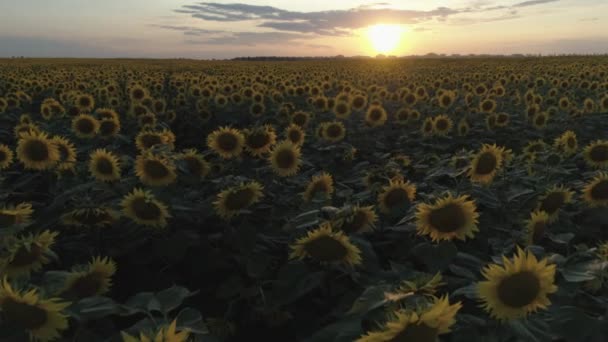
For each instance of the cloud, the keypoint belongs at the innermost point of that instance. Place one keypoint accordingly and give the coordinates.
(247, 38)
(534, 3)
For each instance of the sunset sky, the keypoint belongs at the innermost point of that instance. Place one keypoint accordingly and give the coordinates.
(225, 29)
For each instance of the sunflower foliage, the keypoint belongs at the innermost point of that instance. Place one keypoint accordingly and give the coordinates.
(350, 200)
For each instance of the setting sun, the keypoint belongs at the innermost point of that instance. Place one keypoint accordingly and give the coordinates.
(385, 38)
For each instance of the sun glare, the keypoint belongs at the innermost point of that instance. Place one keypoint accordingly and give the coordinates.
(385, 38)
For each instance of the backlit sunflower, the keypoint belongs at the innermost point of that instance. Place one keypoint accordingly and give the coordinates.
(90, 217)
(596, 154)
(448, 218)
(320, 186)
(12, 215)
(553, 200)
(154, 170)
(446, 99)
(487, 106)
(195, 164)
(285, 158)
(342, 109)
(85, 103)
(94, 279)
(36, 151)
(463, 127)
(165, 334)
(486, 164)
(143, 208)
(147, 139)
(396, 196)
(326, 246)
(502, 119)
(108, 127)
(566, 143)
(28, 254)
(41, 318)
(6, 156)
(295, 134)
(536, 226)
(333, 131)
(226, 142)
(535, 146)
(442, 125)
(427, 126)
(85, 126)
(518, 287)
(375, 116)
(357, 220)
(540, 119)
(67, 153)
(232, 201)
(421, 325)
(258, 141)
(300, 118)
(104, 166)
(595, 193)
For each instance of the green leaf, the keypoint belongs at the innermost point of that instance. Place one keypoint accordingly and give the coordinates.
(172, 297)
(192, 320)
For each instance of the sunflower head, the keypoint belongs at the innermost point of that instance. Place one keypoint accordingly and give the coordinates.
(375, 116)
(566, 143)
(357, 219)
(486, 164)
(427, 126)
(13, 215)
(536, 226)
(518, 287)
(595, 193)
(396, 197)
(6, 156)
(67, 154)
(295, 134)
(143, 208)
(285, 158)
(104, 166)
(226, 142)
(300, 118)
(442, 125)
(146, 139)
(108, 127)
(28, 254)
(85, 126)
(36, 151)
(448, 218)
(325, 245)
(165, 334)
(321, 186)
(232, 201)
(342, 109)
(553, 200)
(259, 141)
(333, 131)
(195, 163)
(155, 170)
(596, 154)
(94, 279)
(463, 127)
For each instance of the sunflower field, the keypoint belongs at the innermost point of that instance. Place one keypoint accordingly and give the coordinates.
(335, 200)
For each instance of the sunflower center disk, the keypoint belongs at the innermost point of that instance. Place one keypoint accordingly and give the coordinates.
(448, 219)
(85, 126)
(326, 248)
(22, 315)
(145, 210)
(37, 150)
(285, 159)
(156, 169)
(599, 153)
(25, 257)
(519, 289)
(7, 220)
(418, 333)
(87, 285)
(227, 142)
(600, 191)
(552, 202)
(396, 197)
(486, 164)
(194, 165)
(358, 220)
(104, 166)
(239, 199)
(150, 140)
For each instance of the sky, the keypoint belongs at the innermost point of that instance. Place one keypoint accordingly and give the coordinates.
(226, 29)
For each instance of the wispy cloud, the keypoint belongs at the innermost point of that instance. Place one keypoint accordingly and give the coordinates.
(534, 3)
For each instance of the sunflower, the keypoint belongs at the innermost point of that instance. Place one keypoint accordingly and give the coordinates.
(358, 220)
(142, 207)
(107, 113)
(295, 134)
(93, 280)
(566, 143)
(446, 99)
(463, 127)
(553, 200)
(6, 156)
(165, 334)
(259, 141)
(195, 163)
(502, 119)
(28, 254)
(90, 217)
(396, 196)
(300, 118)
(85, 103)
(595, 193)
(539, 120)
(108, 127)
(147, 139)
(422, 325)
(85, 126)
(535, 146)
(13, 215)
(137, 93)
(326, 246)
(448, 218)
(67, 153)
(104, 166)
(231, 201)
(427, 126)
(320, 186)
(342, 109)
(442, 125)
(486, 163)
(40, 318)
(36, 151)
(226, 142)
(517, 288)
(333, 131)
(154, 170)
(596, 154)
(285, 158)
(375, 116)
(487, 106)
(536, 226)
